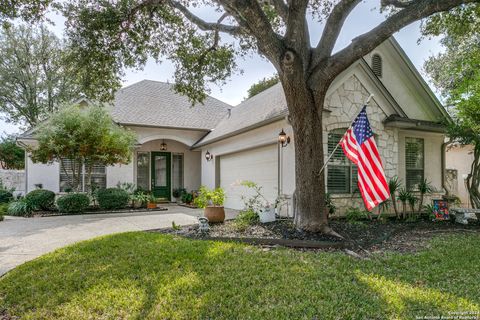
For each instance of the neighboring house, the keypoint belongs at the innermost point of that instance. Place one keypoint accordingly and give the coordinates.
(458, 162)
(174, 138)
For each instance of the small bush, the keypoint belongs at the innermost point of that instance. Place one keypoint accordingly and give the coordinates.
(41, 199)
(187, 198)
(21, 207)
(73, 203)
(5, 196)
(3, 208)
(245, 219)
(112, 198)
(355, 214)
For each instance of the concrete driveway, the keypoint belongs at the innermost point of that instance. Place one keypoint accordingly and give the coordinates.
(24, 239)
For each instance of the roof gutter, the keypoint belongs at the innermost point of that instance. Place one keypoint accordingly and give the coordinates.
(242, 130)
(413, 124)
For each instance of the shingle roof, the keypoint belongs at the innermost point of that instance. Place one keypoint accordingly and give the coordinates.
(267, 105)
(154, 103)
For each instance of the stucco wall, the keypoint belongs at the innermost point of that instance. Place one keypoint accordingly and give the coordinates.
(460, 158)
(48, 175)
(433, 156)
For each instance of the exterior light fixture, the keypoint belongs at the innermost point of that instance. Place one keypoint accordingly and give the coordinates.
(208, 156)
(283, 139)
(163, 146)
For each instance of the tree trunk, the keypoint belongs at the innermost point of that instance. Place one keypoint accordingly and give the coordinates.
(311, 213)
(473, 179)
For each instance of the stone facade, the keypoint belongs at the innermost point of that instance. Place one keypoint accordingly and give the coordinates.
(343, 106)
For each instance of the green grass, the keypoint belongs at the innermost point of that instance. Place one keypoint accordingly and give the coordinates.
(154, 276)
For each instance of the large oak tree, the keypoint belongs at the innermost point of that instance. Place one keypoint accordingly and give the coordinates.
(111, 35)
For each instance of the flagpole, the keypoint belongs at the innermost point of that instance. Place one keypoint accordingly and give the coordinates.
(339, 142)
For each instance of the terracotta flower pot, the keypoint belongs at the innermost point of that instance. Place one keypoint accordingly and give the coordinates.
(151, 205)
(214, 214)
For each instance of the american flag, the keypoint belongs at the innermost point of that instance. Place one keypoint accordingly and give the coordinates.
(359, 146)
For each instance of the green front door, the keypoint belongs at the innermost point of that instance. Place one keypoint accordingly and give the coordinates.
(161, 178)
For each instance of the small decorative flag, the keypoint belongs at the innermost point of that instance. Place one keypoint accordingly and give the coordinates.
(359, 146)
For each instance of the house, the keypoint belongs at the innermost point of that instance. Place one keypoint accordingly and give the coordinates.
(219, 145)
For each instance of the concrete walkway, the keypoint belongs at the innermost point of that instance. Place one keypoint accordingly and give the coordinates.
(24, 239)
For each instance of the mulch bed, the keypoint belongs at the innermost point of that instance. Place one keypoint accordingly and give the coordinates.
(361, 237)
(96, 211)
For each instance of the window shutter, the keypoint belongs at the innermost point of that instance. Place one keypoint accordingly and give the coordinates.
(377, 65)
(338, 179)
(414, 162)
(66, 170)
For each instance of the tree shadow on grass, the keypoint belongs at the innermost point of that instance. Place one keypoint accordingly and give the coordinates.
(151, 276)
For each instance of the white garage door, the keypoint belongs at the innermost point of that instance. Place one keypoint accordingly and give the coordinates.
(258, 165)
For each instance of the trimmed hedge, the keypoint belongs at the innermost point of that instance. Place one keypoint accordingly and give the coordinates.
(41, 199)
(112, 198)
(5, 196)
(73, 203)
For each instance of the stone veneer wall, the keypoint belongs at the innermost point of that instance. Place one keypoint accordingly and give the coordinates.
(344, 104)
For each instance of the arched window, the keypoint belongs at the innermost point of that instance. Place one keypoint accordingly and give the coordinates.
(342, 174)
(377, 65)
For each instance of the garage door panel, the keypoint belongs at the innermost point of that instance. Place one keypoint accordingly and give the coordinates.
(258, 165)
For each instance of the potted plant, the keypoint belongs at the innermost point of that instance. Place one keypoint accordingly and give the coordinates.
(140, 199)
(212, 203)
(152, 202)
(259, 204)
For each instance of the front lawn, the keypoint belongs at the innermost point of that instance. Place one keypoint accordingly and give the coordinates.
(153, 276)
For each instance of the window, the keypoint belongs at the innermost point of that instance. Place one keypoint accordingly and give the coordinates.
(342, 174)
(414, 162)
(143, 170)
(177, 170)
(377, 65)
(68, 167)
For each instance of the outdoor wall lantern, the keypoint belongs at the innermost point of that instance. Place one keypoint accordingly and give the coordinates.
(163, 146)
(208, 156)
(283, 139)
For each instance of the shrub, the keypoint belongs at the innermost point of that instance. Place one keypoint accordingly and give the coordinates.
(187, 197)
(5, 196)
(245, 218)
(112, 198)
(41, 199)
(179, 192)
(3, 210)
(21, 207)
(73, 203)
(355, 214)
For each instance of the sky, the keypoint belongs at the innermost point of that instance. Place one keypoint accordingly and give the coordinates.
(253, 68)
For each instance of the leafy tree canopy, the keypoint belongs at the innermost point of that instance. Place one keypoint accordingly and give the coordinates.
(262, 85)
(35, 77)
(85, 135)
(12, 157)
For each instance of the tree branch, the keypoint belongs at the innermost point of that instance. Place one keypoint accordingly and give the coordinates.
(365, 43)
(396, 3)
(331, 31)
(250, 16)
(204, 25)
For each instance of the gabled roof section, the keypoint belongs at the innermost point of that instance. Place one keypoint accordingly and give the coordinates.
(156, 104)
(266, 107)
